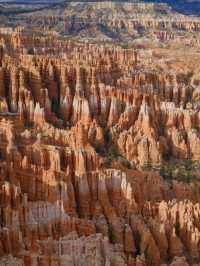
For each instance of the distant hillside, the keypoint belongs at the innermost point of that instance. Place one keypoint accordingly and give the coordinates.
(188, 7)
(121, 21)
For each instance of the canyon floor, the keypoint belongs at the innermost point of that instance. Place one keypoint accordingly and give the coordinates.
(99, 135)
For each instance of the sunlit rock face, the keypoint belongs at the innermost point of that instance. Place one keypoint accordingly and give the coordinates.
(79, 124)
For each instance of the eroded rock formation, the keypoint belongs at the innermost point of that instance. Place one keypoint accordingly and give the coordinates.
(78, 125)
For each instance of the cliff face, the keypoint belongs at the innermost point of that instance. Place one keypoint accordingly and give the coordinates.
(78, 122)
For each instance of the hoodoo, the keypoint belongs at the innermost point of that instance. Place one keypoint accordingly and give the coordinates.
(99, 134)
